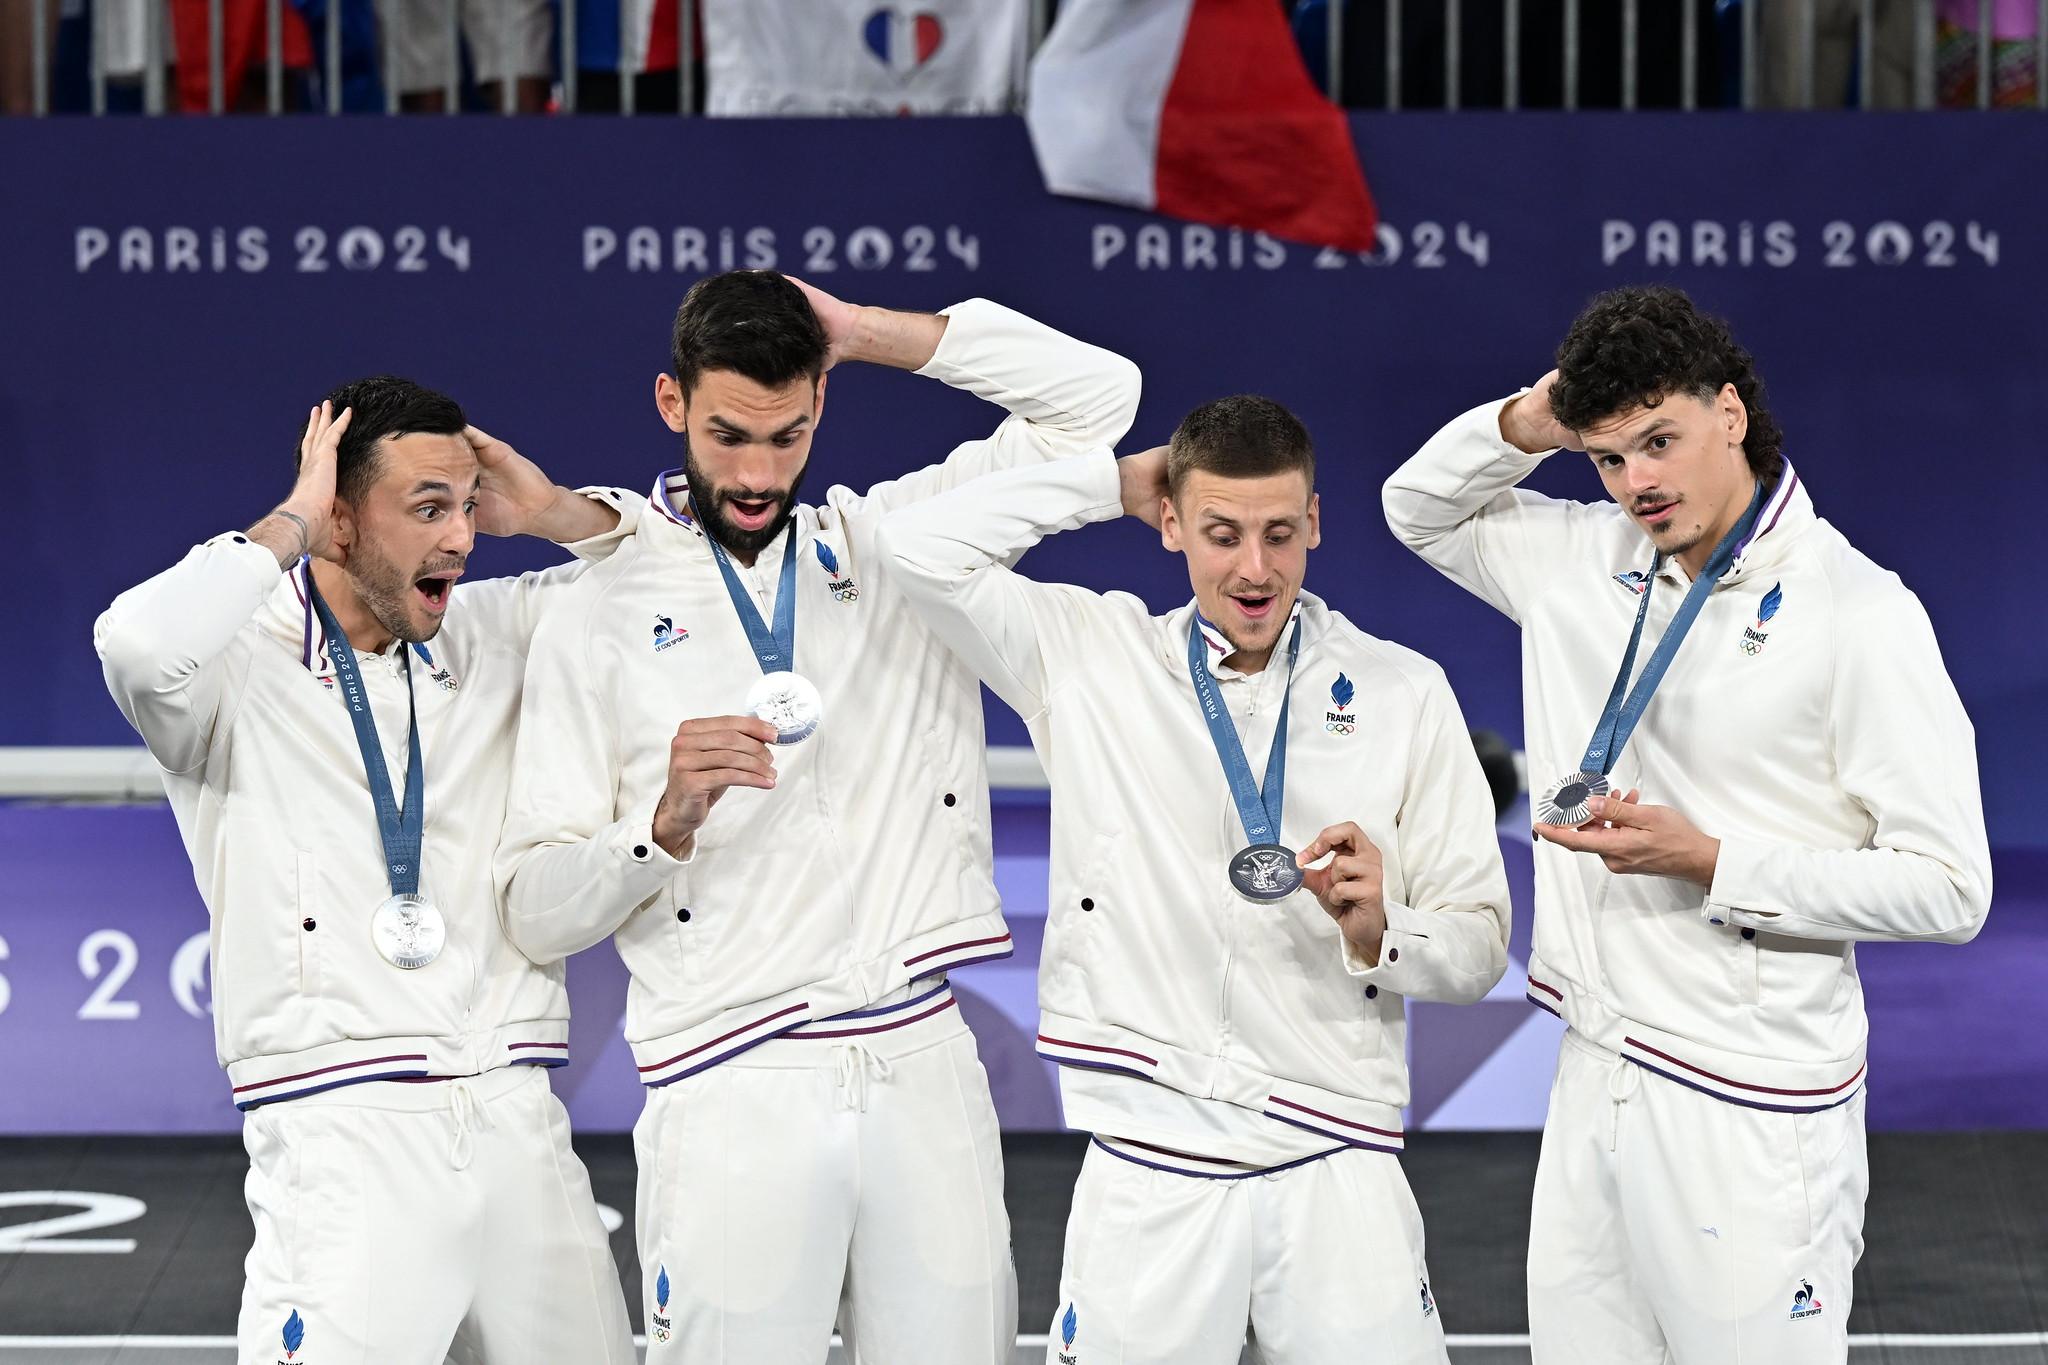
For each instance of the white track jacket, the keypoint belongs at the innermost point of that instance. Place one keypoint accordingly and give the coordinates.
(223, 666)
(869, 866)
(1807, 723)
(1153, 966)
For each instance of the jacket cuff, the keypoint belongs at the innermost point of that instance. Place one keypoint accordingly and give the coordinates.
(627, 504)
(1401, 948)
(1739, 883)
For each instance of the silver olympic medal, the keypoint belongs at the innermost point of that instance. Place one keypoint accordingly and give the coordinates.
(789, 702)
(409, 931)
(1570, 800)
(1265, 872)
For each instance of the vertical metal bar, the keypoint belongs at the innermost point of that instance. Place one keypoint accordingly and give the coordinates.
(1453, 52)
(273, 58)
(451, 76)
(2041, 57)
(1333, 50)
(1983, 54)
(216, 57)
(1689, 55)
(686, 58)
(626, 89)
(153, 99)
(568, 56)
(508, 89)
(1750, 65)
(1041, 12)
(1571, 54)
(1923, 53)
(1809, 55)
(1631, 26)
(1511, 55)
(1866, 50)
(388, 20)
(333, 56)
(39, 57)
(96, 47)
(1393, 54)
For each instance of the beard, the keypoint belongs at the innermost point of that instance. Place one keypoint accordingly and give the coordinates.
(707, 501)
(385, 590)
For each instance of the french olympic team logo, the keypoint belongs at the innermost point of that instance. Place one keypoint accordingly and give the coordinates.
(1753, 637)
(1069, 1326)
(664, 1326)
(903, 41)
(294, 1337)
(842, 588)
(1341, 721)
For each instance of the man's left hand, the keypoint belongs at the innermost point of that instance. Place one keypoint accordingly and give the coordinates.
(1645, 841)
(517, 499)
(1352, 888)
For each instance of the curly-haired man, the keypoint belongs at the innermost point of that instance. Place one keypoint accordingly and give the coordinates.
(1778, 769)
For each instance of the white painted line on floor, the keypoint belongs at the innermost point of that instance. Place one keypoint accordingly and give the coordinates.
(1937, 1341)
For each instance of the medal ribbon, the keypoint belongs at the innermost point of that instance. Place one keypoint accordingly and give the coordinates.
(1257, 807)
(774, 645)
(1625, 705)
(400, 829)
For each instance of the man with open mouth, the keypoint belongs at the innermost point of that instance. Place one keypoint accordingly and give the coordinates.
(1269, 831)
(1778, 769)
(341, 816)
(751, 763)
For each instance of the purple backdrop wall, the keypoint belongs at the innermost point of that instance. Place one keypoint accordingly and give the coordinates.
(174, 291)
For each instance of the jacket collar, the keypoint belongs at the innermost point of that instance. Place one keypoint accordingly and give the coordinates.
(1309, 610)
(1783, 519)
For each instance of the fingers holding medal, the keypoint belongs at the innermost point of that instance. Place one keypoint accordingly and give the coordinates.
(707, 757)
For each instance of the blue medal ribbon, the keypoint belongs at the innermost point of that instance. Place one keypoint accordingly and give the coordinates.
(1257, 807)
(401, 829)
(1625, 705)
(774, 645)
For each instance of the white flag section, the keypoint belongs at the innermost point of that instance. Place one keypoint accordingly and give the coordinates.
(861, 57)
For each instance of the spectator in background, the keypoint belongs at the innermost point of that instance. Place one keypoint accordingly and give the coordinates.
(18, 54)
(2015, 42)
(245, 55)
(1781, 63)
(508, 40)
(652, 53)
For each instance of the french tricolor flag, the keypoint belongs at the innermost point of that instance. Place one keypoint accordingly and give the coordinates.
(902, 41)
(1200, 109)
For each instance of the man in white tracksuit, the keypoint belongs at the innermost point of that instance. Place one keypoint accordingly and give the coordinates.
(292, 681)
(1229, 1027)
(1802, 777)
(818, 1141)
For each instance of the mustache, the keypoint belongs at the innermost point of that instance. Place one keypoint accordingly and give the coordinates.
(1649, 500)
(446, 566)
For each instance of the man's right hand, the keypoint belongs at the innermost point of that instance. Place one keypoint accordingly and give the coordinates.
(1527, 424)
(303, 524)
(706, 757)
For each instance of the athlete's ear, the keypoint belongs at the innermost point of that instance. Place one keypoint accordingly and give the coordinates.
(1734, 414)
(1315, 520)
(1169, 525)
(670, 402)
(818, 403)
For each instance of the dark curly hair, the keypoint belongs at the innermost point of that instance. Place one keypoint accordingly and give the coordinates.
(1636, 346)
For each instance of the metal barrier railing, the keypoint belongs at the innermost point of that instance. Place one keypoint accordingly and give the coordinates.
(1341, 37)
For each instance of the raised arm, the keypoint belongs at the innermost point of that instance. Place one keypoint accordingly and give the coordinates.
(1905, 751)
(1455, 502)
(164, 643)
(517, 499)
(950, 555)
(1064, 396)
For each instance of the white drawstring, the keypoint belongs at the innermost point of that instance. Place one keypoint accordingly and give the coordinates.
(856, 1064)
(1622, 1084)
(469, 1114)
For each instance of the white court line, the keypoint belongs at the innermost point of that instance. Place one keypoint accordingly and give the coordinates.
(1935, 1341)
